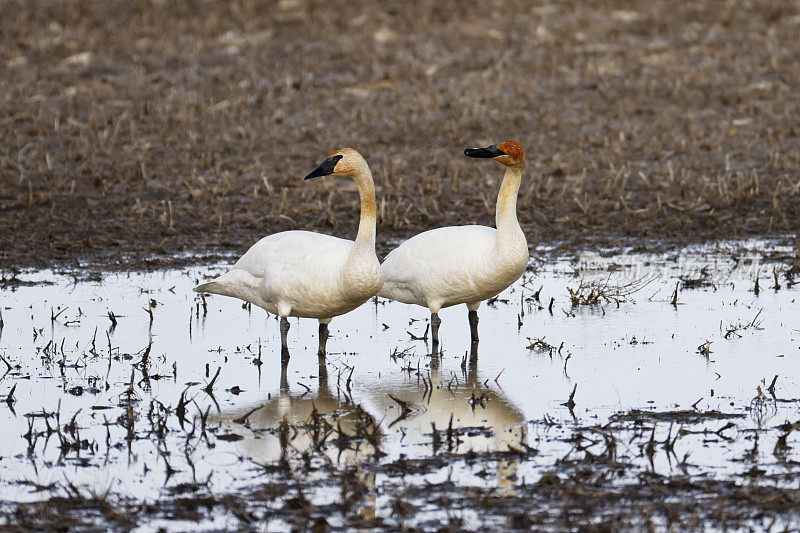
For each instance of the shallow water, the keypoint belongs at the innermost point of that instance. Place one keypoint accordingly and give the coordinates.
(67, 357)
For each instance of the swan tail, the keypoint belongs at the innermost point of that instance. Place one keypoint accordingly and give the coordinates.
(236, 283)
(212, 287)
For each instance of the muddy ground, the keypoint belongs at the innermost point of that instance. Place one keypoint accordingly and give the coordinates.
(618, 392)
(136, 129)
(139, 135)
(581, 494)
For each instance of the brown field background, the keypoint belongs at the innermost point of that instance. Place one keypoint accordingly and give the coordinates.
(138, 128)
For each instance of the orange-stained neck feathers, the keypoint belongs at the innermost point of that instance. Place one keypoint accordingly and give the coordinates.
(506, 210)
(354, 165)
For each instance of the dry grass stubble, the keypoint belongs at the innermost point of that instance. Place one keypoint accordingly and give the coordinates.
(158, 127)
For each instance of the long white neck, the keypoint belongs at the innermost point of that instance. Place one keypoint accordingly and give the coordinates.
(506, 210)
(365, 239)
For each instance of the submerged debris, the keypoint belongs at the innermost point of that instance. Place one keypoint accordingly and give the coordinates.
(605, 291)
(405, 441)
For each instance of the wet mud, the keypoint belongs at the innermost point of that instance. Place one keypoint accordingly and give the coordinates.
(628, 381)
(607, 392)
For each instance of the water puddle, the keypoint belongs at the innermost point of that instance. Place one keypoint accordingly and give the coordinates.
(134, 385)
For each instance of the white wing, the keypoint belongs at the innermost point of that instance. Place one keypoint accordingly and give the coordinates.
(300, 270)
(302, 252)
(440, 264)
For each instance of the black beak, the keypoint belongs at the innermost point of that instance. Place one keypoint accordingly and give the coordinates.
(325, 169)
(484, 153)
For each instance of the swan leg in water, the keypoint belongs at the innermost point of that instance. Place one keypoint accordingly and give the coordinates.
(435, 323)
(284, 376)
(284, 344)
(470, 366)
(323, 338)
(473, 325)
(323, 372)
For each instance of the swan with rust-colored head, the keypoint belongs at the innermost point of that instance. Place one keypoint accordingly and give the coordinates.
(463, 264)
(307, 274)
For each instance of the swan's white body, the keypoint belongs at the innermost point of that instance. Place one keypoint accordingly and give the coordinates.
(302, 274)
(462, 264)
(306, 274)
(453, 265)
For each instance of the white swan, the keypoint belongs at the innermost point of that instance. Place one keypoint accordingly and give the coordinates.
(306, 274)
(463, 264)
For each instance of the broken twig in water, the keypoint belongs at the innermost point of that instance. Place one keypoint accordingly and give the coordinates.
(571, 402)
(210, 387)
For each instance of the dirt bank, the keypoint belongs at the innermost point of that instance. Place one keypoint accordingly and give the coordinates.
(143, 128)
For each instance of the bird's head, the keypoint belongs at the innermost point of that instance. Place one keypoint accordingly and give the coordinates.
(342, 162)
(508, 153)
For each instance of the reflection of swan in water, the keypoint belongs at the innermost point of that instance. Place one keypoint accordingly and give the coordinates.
(483, 420)
(342, 431)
